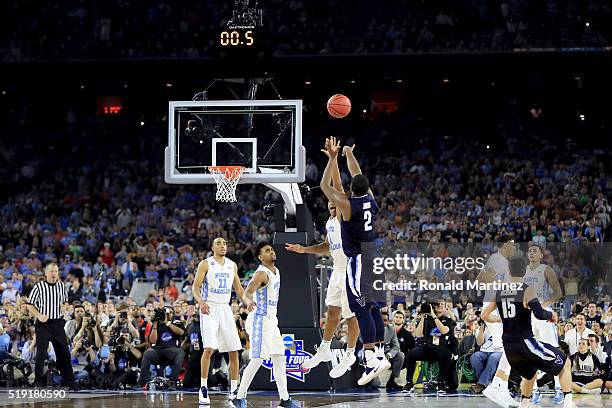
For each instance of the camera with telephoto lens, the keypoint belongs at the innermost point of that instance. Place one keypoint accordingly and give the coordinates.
(92, 321)
(116, 342)
(85, 344)
(426, 308)
(123, 315)
(159, 315)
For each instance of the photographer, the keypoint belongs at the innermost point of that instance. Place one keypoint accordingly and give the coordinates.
(192, 345)
(435, 342)
(122, 321)
(83, 358)
(143, 327)
(123, 360)
(73, 326)
(28, 353)
(165, 337)
(90, 330)
(485, 361)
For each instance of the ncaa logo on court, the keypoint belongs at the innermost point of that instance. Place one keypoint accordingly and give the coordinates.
(294, 357)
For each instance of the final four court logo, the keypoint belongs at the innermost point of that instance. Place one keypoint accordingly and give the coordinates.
(294, 355)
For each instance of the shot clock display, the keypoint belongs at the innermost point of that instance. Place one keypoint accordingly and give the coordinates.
(237, 38)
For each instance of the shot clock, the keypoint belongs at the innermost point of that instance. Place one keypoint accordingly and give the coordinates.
(243, 35)
(238, 37)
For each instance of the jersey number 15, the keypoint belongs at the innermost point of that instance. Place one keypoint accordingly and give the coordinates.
(508, 309)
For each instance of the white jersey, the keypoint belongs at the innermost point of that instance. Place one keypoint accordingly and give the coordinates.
(334, 239)
(266, 298)
(537, 280)
(217, 286)
(500, 265)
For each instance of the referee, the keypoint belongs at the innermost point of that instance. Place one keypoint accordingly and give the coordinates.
(45, 304)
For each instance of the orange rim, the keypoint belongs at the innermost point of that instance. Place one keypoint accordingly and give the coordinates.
(231, 172)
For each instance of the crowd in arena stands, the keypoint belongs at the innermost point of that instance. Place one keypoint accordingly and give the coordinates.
(109, 222)
(137, 29)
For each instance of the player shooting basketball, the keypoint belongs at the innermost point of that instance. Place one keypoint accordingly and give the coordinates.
(336, 299)
(357, 219)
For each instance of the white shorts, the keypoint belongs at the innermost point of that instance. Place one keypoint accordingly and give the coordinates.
(265, 336)
(336, 292)
(544, 331)
(219, 329)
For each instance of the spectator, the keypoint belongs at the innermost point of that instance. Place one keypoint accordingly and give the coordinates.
(392, 353)
(485, 361)
(586, 369)
(592, 315)
(579, 332)
(404, 336)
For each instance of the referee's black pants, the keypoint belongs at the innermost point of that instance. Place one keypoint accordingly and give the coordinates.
(53, 331)
(431, 353)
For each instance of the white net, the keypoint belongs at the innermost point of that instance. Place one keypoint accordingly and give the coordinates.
(227, 178)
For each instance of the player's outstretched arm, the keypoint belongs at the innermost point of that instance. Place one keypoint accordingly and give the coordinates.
(197, 286)
(342, 203)
(319, 249)
(259, 279)
(530, 301)
(336, 181)
(237, 284)
(486, 314)
(353, 164)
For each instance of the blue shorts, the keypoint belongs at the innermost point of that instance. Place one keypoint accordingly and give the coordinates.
(529, 356)
(360, 284)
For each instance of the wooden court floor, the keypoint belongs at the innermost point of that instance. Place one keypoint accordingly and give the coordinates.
(179, 399)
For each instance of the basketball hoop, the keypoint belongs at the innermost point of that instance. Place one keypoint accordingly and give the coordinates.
(227, 178)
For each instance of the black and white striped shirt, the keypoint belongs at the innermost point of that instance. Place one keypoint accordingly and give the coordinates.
(48, 298)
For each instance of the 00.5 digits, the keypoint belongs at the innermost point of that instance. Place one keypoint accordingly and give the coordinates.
(235, 38)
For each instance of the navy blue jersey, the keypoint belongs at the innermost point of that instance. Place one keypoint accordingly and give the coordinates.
(515, 317)
(360, 228)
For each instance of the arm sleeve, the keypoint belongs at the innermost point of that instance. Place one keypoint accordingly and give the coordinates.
(538, 312)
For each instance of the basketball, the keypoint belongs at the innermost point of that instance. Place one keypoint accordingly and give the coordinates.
(339, 106)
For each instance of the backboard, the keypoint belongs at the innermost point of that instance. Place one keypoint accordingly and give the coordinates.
(264, 136)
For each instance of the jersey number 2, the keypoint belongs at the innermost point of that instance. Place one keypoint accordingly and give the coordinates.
(367, 217)
(508, 309)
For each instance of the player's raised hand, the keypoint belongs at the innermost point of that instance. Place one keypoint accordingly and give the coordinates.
(295, 248)
(554, 317)
(324, 149)
(347, 149)
(333, 147)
